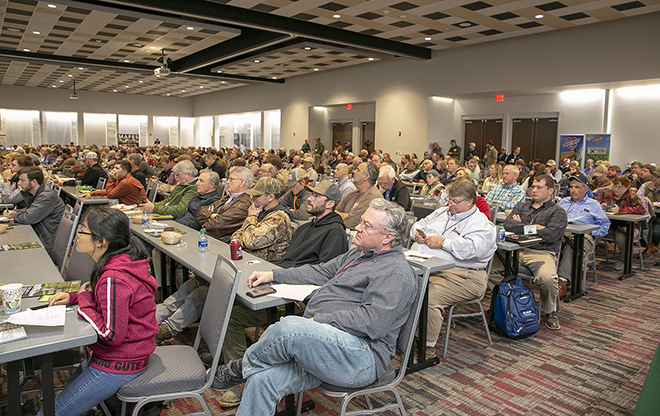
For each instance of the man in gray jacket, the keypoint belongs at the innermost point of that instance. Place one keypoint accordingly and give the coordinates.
(348, 333)
(44, 208)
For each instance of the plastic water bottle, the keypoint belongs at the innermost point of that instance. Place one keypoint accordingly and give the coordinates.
(500, 235)
(203, 241)
(145, 220)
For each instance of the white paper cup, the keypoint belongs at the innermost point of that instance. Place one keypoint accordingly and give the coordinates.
(11, 297)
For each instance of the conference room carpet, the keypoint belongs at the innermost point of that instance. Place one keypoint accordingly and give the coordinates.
(596, 364)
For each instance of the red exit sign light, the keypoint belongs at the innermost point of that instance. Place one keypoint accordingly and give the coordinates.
(499, 98)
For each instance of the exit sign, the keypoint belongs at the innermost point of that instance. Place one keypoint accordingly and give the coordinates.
(499, 98)
(349, 106)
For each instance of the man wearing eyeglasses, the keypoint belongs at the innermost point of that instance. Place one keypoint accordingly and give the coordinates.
(176, 204)
(580, 209)
(464, 235)
(348, 333)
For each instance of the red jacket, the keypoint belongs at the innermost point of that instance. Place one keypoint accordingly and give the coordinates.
(482, 206)
(127, 190)
(122, 311)
(628, 204)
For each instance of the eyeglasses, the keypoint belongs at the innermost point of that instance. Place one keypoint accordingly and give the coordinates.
(230, 179)
(367, 227)
(454, 202)
(79, 230)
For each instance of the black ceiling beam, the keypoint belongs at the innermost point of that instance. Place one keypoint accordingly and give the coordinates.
(31, 57)
(249, 40)
(287, 44)
(209, 11)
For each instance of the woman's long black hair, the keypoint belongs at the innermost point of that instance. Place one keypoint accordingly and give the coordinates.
(113, 226)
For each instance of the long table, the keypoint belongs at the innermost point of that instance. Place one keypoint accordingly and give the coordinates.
(41, 341)
(630, 220)
(74, 194)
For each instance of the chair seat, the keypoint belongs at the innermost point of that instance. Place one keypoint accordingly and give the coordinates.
(172, 368)
(332, 390)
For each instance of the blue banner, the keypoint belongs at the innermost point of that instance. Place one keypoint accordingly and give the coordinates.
(598, 146)
(572, 146)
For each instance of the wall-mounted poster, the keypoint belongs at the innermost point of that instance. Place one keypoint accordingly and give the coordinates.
(125, 138)
(572, 146)
(598, 146)
(3, 139)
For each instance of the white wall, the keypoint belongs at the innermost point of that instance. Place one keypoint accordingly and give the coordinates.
(635, 125)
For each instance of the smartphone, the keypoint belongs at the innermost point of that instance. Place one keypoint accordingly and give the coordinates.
(36, 308)
(421, 232)
(261, 292)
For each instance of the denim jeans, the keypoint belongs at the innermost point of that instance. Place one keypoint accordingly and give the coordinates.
(298, 354)
(87, 388)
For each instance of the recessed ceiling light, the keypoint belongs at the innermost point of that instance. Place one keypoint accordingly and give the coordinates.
(183, 90)
(61, 81)
(140, 82)
(190, 28)
(465, 24)
(152, 47)
(427, 38)
(223, 82)
(54, 86)
(219, 72)
(539, 16)
(127, 86)
(201, 86)
(98, 41)
(157, 76)
(26, 50)
(386, 12)
(52, 6)
(126, 60)
(274, 77)
(114, 90)
(336, 16)
(168, 95)
(137, 45)
(403, 16)
(316, 69)
(13, 29)
(81, 68)
(34, 32)
(70, 76)
(256, 61)
(307, 48)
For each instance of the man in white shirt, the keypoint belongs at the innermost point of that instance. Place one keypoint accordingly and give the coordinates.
(343, 181)
(462, 234)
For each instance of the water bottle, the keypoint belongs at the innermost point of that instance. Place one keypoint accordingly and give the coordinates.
(145, 220)
(500, 235)
(203, 241)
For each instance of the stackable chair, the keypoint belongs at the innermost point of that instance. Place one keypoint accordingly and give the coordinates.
(63, 239)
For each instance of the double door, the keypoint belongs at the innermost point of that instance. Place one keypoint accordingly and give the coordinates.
(480, 131)
(536, 137)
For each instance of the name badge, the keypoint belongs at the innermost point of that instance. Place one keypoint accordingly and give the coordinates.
(530, 229)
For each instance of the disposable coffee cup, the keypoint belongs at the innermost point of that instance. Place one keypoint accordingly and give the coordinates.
(11, 297)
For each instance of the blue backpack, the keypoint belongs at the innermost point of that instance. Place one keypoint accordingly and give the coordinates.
(513, 311)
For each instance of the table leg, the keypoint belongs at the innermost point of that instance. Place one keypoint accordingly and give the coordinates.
(163, 276)
(577, 286)
(14, 387)
(627, 252)
(421, 362)
(47, 384)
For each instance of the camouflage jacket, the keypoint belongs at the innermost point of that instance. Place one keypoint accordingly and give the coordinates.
(267, 235)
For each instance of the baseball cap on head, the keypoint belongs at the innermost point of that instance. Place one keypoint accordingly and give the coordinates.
(295, 175)
(265, 186)
(327, 188)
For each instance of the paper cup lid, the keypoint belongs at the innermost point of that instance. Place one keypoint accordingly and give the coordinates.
(11, 286)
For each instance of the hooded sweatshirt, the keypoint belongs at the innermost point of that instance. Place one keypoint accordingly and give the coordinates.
(122, 311)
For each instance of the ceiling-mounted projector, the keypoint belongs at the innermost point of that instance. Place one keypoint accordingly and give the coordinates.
(73, 96)
(163, 71)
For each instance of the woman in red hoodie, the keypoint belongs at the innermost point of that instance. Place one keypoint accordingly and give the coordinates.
(119, 304)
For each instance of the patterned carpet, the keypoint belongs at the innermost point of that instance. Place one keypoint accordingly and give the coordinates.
(596, 364)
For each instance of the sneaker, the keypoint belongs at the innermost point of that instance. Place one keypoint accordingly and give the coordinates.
(619, 266)
(225, 378)
(430, 353)
(163, 334)
(650, 252)
(232, 397)
(552, 322)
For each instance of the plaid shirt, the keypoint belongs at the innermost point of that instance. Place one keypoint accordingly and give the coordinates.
(506, 197)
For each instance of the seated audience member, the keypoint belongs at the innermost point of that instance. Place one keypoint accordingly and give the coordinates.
(433, 188)
(144, 167)
(426, 165)
(220, 219)
(580, 209)
(409, 171)
(212, 162)
(207, 186)
(635, 173)
(589, 168)
(135, 161)
(266, 232)
(645, 176)
(92, 174)
(11, 193)
(621, 200)
(308, 167)
(550, 222)
(176, 204)
(452, 166)
(511, 159)
(317, 241)
(509, 193)
(613, 171)
(600, 183)
(348, 333)
(392, 188)
(552, 170)
(44, 208)
(167, 163)
(121, 186)
(295, 199)
(462, 234)
(473, 167)
(344, 183)
(354, 203)
(494, 178)
(651, 190)
(67, 160)
(319, 165)
(119, 304)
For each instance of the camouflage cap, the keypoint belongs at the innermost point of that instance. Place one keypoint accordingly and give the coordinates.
(308, 159)
(327, 188)
(295, 175)
(265, 186)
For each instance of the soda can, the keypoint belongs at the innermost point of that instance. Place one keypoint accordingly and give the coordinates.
(236, 250)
